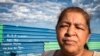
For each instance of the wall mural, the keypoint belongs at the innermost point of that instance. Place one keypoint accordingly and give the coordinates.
(27, 27)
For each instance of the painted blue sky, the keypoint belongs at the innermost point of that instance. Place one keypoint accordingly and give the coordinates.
(44, 13)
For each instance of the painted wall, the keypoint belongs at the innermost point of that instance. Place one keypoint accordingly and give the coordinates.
(31, 40)
(27, 26)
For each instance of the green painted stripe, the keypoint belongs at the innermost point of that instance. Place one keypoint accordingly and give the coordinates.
(51, 46)
(54, 45)
(51, 49)
(1, 26)
(1, 32)
(94, 45)
(51, 43)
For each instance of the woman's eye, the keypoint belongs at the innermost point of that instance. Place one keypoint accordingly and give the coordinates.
(80, 28)
(62, 26)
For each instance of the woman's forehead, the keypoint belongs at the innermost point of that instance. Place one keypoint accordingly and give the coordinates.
(74, 17)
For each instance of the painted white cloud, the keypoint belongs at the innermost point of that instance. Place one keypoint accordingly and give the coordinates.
(7, 1)
(76, 1)
(93, 8)
(34, 13)
(43, 12)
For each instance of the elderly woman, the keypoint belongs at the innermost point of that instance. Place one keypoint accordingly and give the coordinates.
(73, 32)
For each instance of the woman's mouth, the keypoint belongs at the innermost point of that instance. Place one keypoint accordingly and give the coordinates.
(69, 41)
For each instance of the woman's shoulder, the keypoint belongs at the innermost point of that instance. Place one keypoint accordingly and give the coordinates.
(49, 53)
(96, 53)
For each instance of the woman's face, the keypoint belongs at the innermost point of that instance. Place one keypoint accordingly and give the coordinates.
(72, 32)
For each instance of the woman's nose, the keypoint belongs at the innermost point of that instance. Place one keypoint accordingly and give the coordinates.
(70, 31)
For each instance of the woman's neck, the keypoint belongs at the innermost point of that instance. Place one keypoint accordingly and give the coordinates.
(83, 52)
(77, 53)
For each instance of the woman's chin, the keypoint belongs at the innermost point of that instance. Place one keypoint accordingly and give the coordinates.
(70, 49)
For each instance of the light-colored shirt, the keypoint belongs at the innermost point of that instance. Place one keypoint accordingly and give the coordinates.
(96, 53)
(51, 53)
